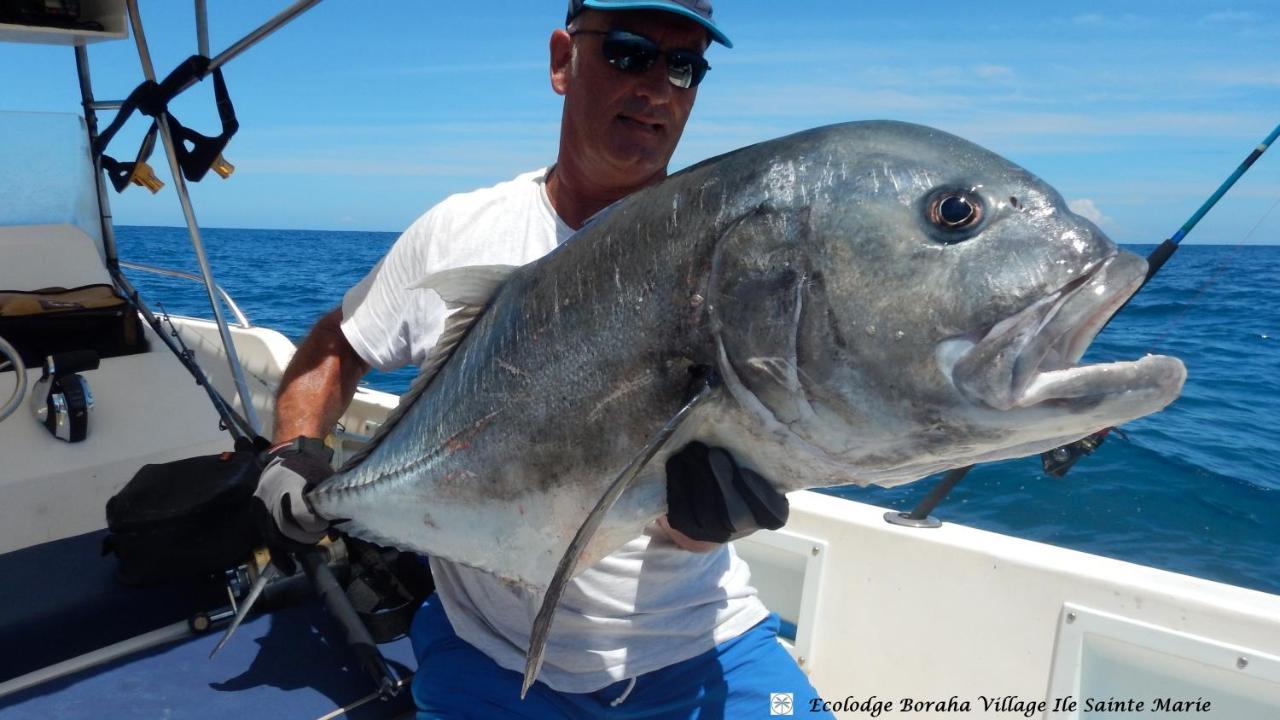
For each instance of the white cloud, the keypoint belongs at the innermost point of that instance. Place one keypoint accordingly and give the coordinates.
(379, 168)
(1099, 21)
(459, 68)
(1084, 207)
(993, 71)
(1116, 125)
(1231, 16)
(1262, 77)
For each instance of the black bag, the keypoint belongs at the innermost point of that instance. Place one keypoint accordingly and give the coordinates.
(56, 320)
(184, 520)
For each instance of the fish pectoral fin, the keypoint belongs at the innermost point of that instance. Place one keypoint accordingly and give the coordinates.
(706, 383)
(469, 285)
(763, 294)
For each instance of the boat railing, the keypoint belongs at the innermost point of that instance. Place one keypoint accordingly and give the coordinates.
(241, 319)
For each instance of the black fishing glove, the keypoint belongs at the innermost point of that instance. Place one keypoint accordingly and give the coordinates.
(285, 518)
(710, 498)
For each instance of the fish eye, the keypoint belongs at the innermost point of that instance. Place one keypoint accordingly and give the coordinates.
(955, 210)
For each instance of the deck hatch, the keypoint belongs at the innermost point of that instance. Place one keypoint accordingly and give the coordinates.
(1101, 656)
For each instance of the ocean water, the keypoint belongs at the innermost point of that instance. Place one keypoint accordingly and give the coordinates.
(1194, 489)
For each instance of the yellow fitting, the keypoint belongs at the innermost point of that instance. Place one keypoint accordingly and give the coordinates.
(261, 558)
(222, 167)
(146, 177)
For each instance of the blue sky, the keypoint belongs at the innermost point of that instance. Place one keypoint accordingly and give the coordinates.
(360, 115)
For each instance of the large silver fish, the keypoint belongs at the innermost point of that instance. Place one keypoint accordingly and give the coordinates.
(882, 300)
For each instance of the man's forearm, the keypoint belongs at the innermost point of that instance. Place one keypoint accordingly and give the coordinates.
(319, 382)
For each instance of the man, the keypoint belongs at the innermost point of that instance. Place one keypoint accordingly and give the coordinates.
(692, 640)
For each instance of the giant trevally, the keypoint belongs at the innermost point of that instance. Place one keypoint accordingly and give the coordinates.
(881, 300)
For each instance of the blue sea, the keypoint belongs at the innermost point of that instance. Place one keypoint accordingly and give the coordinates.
(1194, 489)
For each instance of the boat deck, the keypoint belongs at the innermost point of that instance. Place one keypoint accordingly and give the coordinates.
(288, 663)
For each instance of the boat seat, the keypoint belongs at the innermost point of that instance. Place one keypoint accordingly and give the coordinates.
(42, 256)
(146, 409)
(76, 307)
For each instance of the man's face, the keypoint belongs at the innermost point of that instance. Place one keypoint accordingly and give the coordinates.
(620, 127)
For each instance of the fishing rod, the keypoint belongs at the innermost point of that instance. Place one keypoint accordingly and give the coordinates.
(1160, 255)
(1059, 461)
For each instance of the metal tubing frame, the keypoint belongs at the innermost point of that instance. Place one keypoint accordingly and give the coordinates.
(238, 426)
(256, 36)
(101, 656)
(91, 124)
(202, 27)
(193, 228)
(241, 320)
(244, 43)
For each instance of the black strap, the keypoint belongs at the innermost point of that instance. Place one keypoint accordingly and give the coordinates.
(196, 160)
(256, 444)
(152, 99)
(120, 173)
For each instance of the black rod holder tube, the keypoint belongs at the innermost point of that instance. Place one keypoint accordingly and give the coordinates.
(939, 491)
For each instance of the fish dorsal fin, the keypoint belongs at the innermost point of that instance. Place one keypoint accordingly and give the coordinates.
(466, 285)
(466, 290)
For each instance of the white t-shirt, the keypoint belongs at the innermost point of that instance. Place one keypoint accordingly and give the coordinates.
(648, 605)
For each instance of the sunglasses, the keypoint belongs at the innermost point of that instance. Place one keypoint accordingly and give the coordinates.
(635, 54)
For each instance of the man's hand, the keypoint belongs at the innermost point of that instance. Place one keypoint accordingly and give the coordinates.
(712, 500)
(285, 517)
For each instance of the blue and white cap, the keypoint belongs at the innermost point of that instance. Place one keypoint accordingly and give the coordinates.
(698, 11)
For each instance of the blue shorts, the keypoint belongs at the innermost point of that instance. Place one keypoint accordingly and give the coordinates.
(736, 679)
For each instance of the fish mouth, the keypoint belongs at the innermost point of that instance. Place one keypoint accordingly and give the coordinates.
(1031, 358)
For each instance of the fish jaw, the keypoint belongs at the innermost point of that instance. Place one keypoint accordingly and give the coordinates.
(1029, 360)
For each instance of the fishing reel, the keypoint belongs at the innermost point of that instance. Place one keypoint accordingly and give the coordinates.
(61, 399)
(1058, 461)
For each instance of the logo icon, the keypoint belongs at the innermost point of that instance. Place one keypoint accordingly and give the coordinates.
(781, 704)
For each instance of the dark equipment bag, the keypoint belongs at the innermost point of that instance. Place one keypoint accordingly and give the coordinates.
(187, 521)
(56, 320)
(184, 520)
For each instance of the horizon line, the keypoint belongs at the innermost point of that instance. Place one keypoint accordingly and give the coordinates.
(397, 232)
